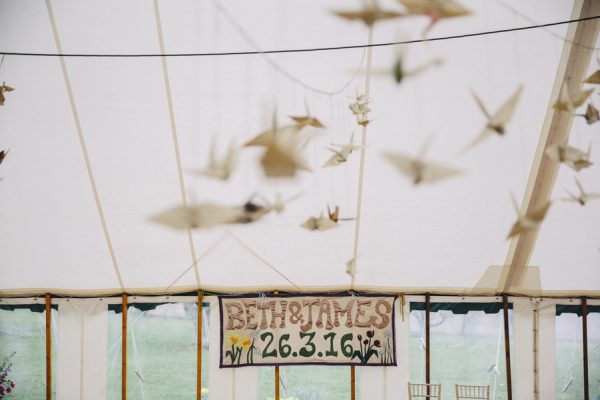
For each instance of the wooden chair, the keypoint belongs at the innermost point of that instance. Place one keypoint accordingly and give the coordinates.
(424, 391)
(472, 392)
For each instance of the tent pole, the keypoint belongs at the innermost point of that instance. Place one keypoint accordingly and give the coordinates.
(586, 383)
(124, 347)
(352, 383)
(48, 347)
(427, 352)
(276, 369)
(507, 346)
(199, 363)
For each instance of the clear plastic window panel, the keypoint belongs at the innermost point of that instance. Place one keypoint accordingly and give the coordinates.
(594, 354)
(466, 349)
(161, 352)
(23, 352)
(306, 382)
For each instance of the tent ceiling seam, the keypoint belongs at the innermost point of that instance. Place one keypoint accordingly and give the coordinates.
(83, 145)
(174, 135)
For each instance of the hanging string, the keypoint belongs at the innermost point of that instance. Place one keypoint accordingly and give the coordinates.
(545, 26)
(275, 65)
(361, 171)
(313, 49)
(83, 145)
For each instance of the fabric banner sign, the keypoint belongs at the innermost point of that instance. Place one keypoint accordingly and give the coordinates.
(288, 329)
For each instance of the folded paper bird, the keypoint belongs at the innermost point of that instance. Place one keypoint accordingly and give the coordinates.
(4, 89)
(591, 114)
(279, 203)
(594, 78)
(583, 196)
(419, 170)
(571, 101)
(319, 223)
(530, 221)
(307, 120)
(434, 9)
(369, 14)
(496, 123)
(341, 153)
(335, 214)
(570, 156)
(351, 267)
(3, 154)
(219, 168)
(399, 71)
(284, 146)
(360, 108)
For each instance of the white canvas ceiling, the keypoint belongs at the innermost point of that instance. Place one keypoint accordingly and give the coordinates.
(429, 237)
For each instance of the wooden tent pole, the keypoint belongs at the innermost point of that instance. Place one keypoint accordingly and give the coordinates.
(199, 363)
(124, 348)
(586, 383)
(48, 347)
(427, 343)
(352, 382)
(507, 346)
(276, 369)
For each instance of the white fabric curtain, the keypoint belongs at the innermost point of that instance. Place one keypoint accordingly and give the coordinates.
(81, 349)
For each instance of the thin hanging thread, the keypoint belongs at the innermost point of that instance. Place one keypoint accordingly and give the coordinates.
(174, 136)
(278, 67)
(361, 172)
(312, 49)
(259, 257)
(83, 145)
(545, 26)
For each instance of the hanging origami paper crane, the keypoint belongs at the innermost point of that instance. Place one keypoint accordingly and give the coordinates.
(591, 114)
(360, 108)
(570, 156)
(351, 267)
(3, 89)
(307, 120)
(400, 73)
(284, 146)
(583, 196)
(335, 214)
(278, 205)
(435, 10)
(341, 154)
(496, 123)
(3, 154)
(219, 168)
(369, 14)
(595, 77)
(530, 221)
(419, 170)
(319, 223)
(571, 101)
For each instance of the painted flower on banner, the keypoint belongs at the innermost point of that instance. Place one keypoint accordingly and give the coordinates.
(7, 386)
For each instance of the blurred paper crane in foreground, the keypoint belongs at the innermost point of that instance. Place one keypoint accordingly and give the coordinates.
(583, 196)
(219, 168)
(322, 223)
(420, 170)
(496, 123)
(571, 101)
(4, 88)
(591, 114)
(571, 156)
(369, 14)
(435, 10)
(530, 221)
(307, 120)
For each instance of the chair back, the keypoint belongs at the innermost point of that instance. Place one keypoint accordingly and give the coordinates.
(424, 391)
(473, 392)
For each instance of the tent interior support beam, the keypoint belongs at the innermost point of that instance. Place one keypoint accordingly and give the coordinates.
(48, 347)
(586, 376)
(124, 348)
(427, 341)
(199, 348)
(507, 346)
(571, 71)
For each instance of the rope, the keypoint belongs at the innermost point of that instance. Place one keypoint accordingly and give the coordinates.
(544, 26)
(308, 50)
(258, 256)
(361, 171)
(197, 260)
(278, 67)
(84, 150)
(174, 135)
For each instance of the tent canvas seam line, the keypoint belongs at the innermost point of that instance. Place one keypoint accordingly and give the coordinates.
(83, 145)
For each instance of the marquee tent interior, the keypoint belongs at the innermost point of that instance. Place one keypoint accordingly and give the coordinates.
(105, 140)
